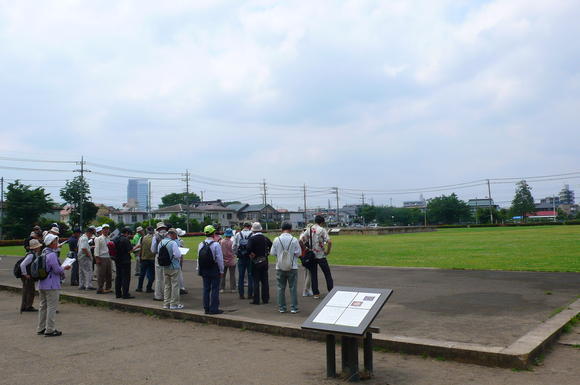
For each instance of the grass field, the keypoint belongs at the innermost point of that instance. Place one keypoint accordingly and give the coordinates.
(545, 248)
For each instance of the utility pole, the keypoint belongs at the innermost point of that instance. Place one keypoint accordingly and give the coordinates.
(489, 196)
(305, 216)
(1, 208)
(264, 189)
(187, 203)
(82, 170)
(337, 209)
(553, 205)
(363, 203)
(201, 192)
(425, 212)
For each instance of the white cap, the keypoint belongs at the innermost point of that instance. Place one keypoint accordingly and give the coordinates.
(180, 232)
(55, 230)
(99, 229)
(256, 226)
(105, 225)
(49, 239)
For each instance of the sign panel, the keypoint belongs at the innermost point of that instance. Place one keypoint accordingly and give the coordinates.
(348, 310)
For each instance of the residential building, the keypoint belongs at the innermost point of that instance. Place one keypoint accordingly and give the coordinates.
(296, 218)
(129, 217)
(214, 212)
(548, 203)
(476, 203)
(259, 213)
(138, 194)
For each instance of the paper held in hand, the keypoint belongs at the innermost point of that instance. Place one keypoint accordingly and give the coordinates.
(68, 262)
(183, 250)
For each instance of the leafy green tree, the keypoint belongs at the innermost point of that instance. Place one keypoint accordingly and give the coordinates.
(483, 216)
(448, 210)
(102, 220)
(523, 202)
(23, 208)
(179, 198)
(77, 192)
(176, 221)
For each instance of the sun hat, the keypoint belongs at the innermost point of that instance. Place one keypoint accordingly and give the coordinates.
(105, 226)
(99, 229)
(180, 232)
(256, 226)
(160, 225)
(139, 229)
(32, 234)
(229, 233)
(49, 239)
(34, 244)
(209, 229)
(55, 230)
(172, 231)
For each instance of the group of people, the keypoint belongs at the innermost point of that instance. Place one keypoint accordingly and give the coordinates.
(159, 253)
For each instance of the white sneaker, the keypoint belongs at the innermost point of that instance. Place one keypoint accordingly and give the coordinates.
(166, 306)
(177, 307)
(294, 311)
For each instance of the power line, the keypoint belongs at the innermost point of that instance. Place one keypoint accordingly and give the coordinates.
(36, 160)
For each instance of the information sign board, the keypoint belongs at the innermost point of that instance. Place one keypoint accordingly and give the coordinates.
(348, 310)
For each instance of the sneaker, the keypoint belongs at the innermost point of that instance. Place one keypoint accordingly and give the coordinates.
(316, 296)
(177, 307)
(294, 311)
(282, 310)
(91, 288)
(166, 306)
(183, 291)
(41, 333)
(100, 292)
(216, 312)
(139, 290)
(54, 333)
(149, 291)
(221, 290)
(82, 288)
(157, 299)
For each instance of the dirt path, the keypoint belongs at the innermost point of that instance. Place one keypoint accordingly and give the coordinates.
(108, 347)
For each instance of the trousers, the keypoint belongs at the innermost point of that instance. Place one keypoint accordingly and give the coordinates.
(323, 263)
(122, 279)
(147, 270)
(85, 272)
(244, 264)
(104, 274)
(261, 284)
(159, 279)
(290, 278)
(171, 286)
(47, 311)
(27, 293)
(232, 271)
(211, 295)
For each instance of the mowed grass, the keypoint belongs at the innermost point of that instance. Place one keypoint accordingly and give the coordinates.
(543, 248)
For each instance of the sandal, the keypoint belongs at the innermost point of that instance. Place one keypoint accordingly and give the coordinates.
(55, 333)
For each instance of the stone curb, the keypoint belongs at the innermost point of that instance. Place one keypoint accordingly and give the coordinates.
(519, 355)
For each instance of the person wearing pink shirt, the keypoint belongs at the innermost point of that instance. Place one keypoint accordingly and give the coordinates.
(229, 261)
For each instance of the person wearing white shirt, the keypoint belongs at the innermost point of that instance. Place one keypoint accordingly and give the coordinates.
(103, 261)
(286, 249)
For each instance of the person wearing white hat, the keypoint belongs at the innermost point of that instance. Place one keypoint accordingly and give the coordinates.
(259, 247)
(85, 259)
(103, 261)
(182, 289)
(49, 288)
(34, 247)
(160, 234)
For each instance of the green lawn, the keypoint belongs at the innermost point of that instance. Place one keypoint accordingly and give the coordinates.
(545, 248)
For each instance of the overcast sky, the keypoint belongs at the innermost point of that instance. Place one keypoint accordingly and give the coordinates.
(372, 95)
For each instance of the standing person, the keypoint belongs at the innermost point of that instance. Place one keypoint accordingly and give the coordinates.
(182, 289)
(49, 288)
(307, 291)
(123, 264)
(171, 273)
(136, 243)
(229, 261)
(240, 249)
(35, 234)
(160, 234)
(34, 247)
(286, 249)
(210, 263)
(259, 248)
(103, 261)
(317, 239)
(85, 260)
(147, 258)
(73, 243)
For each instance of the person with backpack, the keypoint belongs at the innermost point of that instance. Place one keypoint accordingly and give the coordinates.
(103, 261)
(169, 258)
(210, 265)
(160, 234)
(123, 248)
(34, 249)
(286, 249)
(240, 248)
(316, 238)
(259, 247)
(49, 287)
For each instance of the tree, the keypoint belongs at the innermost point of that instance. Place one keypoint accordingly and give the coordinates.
(483, 217)
(448, 210)
(179, 198)
(24, 206)
(523, 202)
(77, 192)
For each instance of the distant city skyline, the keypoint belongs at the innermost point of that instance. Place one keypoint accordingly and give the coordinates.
(138, 192)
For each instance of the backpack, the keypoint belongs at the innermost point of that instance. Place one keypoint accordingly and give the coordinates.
(205, 259)
(163, 257)
(243, 246)
(112, 248)
(38, 266)
(17, 271)
(286, 259)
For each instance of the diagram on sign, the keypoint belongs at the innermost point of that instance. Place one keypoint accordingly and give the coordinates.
(347, 308)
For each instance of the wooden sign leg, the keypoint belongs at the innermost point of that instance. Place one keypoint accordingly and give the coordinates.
(330, 355)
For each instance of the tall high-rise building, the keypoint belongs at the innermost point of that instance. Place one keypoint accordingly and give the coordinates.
(138, 193)
(567, 196)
